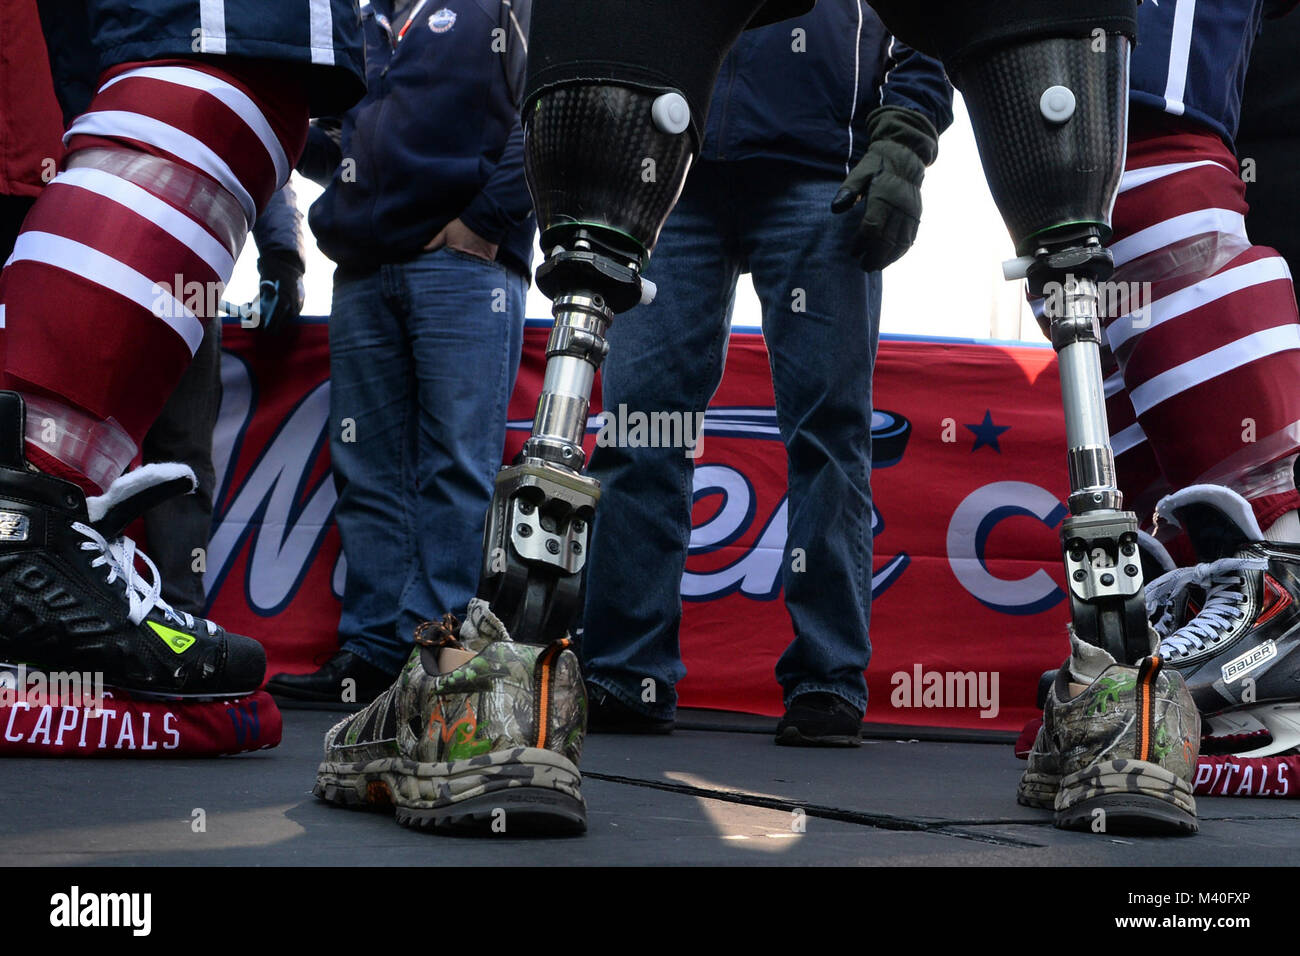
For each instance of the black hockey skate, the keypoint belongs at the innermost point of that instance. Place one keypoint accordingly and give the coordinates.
(72, 600)
(1237, 648)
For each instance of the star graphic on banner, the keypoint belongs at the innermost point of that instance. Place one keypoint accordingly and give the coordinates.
(986, 433)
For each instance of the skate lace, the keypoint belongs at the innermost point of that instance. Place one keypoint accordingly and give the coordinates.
(1224, 582)
(1166, 624)
(142, 595)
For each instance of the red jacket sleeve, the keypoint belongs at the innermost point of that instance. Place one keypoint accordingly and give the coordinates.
(31, 124)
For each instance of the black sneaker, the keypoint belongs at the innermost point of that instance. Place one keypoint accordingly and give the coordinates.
(327, 684)
(819, 719)
(72, 599)
(606, 714)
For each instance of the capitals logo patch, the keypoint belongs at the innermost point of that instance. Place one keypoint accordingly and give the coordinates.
(442, 20)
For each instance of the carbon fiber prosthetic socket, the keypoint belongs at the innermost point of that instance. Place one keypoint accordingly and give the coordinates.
(598, 156)
(1049, 119)
(653, 45)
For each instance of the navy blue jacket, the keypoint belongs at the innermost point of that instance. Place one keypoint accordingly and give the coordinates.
(1191, 59)
(802, 89)
(437, 137)
(321, 37)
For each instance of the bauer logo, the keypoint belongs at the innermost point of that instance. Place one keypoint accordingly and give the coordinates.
(1253, 658)
(13, 526)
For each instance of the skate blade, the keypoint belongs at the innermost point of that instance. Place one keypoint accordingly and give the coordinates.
(1280, 721)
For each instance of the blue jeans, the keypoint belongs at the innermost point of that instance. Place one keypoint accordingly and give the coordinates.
(423, 357)
(774, 221)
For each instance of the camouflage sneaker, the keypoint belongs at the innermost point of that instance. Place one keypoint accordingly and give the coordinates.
(1116, 755)
(490, 745)
(1041, 781)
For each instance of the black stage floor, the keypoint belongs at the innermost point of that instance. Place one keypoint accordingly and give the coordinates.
(699, 796)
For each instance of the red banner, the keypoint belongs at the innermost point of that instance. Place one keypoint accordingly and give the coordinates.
(969, 480)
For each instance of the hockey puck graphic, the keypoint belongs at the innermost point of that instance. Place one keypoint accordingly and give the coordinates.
(889, 434)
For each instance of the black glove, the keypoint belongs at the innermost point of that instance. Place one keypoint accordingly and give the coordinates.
(280, 294)
(888, 178)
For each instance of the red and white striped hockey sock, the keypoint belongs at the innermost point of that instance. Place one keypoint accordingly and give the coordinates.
(1208, 359)
(127, 251)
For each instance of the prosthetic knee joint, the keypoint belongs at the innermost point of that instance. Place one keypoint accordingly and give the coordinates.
(605, 164)
(1050, 119)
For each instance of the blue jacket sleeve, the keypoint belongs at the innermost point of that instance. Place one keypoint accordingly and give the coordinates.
(504, 201)
(278, 230)
(324, 150)
(915, 81)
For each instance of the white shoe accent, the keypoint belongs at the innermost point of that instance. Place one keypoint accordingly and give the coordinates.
(134, 482)
(1087, 661)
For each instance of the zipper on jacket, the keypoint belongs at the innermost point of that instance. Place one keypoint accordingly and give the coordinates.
(376, 169)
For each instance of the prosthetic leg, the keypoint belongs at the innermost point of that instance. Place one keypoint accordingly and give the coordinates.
(606, 160)
(1120, 733)
(1054, 163)
(599, 219)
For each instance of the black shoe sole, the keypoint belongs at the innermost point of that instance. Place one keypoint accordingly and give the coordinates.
(138, 694)
(528, 811)
(401, 786)
(791, 737)
(1128, 814)
(279, 691)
